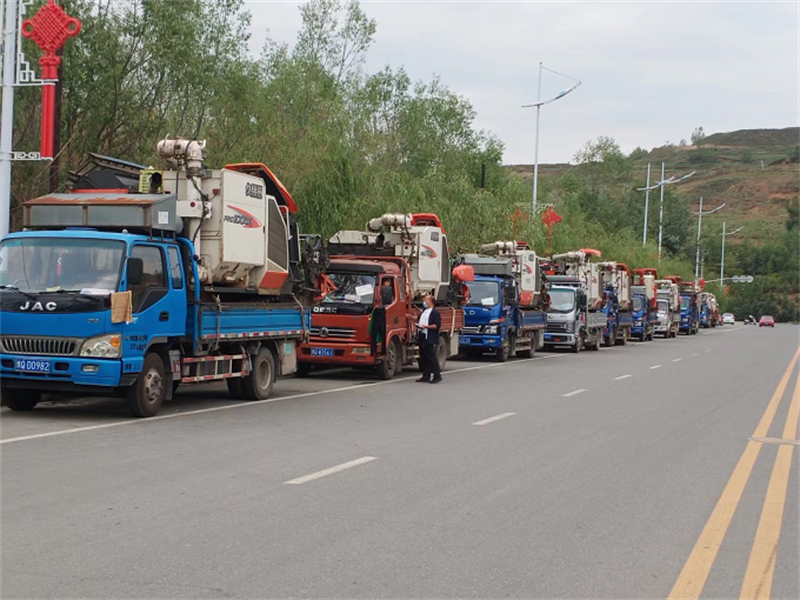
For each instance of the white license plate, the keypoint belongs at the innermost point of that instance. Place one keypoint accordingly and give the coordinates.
(32, 365)
(322, 352)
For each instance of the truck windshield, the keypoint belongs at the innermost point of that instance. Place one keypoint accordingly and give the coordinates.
(35, 265)
(562, 301)
(483, 293)
(686, 302)
(663, 306)
(353, 288)
(638, 303)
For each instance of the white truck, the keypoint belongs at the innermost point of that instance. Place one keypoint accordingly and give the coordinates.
(669, 308)
(575, 318)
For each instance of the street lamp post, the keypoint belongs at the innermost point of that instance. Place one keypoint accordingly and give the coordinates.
(700, 214)
(722, 261)
(538, 105)
(661, 184)
(646, 206)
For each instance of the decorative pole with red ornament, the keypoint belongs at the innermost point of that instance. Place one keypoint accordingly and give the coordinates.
(49, 28)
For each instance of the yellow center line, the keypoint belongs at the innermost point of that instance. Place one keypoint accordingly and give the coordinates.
(761, 566)
(694, 574)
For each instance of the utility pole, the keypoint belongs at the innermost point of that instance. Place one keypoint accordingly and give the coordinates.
(7, 114)
(647, 205)
(722, 259)
(699, 223)
(536, 148)
(661, 215)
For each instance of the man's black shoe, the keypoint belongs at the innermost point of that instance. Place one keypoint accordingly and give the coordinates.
(423, 380)
(436, 380)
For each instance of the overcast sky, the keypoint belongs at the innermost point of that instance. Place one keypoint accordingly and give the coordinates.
(651, 71)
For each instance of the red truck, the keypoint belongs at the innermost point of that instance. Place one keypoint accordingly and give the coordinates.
(380, 277)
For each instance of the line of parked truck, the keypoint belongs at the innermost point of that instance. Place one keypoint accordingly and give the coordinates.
(140, 280)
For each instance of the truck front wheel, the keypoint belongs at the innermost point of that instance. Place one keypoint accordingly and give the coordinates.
(21, 399)
(146, 396)
(258, 384)
(389, 365)
(504, 351)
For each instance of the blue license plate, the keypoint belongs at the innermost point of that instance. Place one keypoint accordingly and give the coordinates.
(548, 336)
(322, 352)
(32, 365)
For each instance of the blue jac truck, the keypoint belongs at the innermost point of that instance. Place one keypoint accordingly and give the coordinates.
(109, 292)
(505, 312)
(690, 309)
(616, 303)
(574, 316)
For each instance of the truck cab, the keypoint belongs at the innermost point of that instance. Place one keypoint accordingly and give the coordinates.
(690, 316)
(665, 324)
(570, 323)
(644, 319)
(364, 321)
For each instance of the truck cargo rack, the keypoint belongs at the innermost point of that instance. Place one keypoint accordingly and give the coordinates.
(208, 368)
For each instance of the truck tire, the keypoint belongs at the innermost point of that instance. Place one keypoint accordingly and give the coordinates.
(528, 353)
(146, 396)
(258, 385)
(388, 366)
(235, 389)
(441, 353)
(579, 345)
(303, 369)
(21, 400)
(504, 351)
(624, 339)
(612, 338)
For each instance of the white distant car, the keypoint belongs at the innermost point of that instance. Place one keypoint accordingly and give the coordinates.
(728, 319)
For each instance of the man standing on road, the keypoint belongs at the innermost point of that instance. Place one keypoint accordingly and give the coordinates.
(428, 340)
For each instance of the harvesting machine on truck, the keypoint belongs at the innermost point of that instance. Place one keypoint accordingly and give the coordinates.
(668, 304)
(112, 291)
(574, 316)
(709, 310)
(380, 276)
(645, 304)
(505, 311)
(690, 308)
(616, 278)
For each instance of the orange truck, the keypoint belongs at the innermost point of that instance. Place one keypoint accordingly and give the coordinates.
(379, 277)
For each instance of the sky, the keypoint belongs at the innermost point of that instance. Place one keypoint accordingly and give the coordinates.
(650, 71)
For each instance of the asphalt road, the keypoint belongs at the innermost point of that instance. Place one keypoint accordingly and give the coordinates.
(628, 472)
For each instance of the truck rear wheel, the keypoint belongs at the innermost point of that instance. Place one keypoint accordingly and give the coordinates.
(258, 384)
(624, 339)
(235, 389)
(146, 396)
(528, 352)
(612, 337)
(21, 400)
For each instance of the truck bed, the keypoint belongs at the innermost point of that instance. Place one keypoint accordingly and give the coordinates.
(256, 320)
(533, 319)
(452, 318)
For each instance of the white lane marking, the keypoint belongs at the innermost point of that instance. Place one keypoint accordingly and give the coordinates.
(622, 377)
(494, 418)
(573, 393)
(200, 411)
(695, 354)
(655, 367)
(677, 359)
(708, 350)
(330, 471)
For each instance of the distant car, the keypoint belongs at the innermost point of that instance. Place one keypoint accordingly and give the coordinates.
(766, 321)
(728, 319)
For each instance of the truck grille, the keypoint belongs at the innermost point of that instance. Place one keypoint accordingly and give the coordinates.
(38, 345)
(333, 332)
(471, 330)
(558, 327)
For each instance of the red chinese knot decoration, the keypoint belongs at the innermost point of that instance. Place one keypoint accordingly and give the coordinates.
(550, 218)
(49, 28)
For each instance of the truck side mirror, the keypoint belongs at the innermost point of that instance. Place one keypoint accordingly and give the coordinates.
(135, 271)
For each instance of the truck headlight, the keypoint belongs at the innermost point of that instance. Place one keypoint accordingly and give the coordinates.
(490, 330)
(102, 346)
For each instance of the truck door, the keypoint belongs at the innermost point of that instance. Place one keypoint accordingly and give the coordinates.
(395, 310)
(158, 301)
